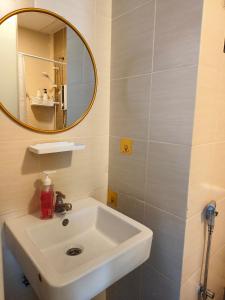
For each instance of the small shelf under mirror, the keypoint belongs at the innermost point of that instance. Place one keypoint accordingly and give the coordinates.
(47, 148)
(39, 102)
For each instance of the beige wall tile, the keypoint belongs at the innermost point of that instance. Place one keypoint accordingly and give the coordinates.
(207, 163)
(102, 51)
(8, 5)
(82, 15)
(195, 234)
(200, 178)
(190, 289)
(104, 8)
(219, 236)
(79, 174)
(218, 169)
(19, 177)
(217, 274)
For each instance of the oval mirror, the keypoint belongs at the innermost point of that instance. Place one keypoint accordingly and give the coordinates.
(48, 74)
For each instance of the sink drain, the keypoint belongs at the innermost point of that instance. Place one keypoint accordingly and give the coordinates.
(74, 251)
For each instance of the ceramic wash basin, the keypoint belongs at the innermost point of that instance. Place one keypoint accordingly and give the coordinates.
(97, 247)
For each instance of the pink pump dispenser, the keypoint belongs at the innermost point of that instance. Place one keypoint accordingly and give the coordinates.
(47, 197)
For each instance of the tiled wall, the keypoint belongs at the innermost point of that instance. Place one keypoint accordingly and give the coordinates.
(155, 51)
(78, 174)
(207, 181)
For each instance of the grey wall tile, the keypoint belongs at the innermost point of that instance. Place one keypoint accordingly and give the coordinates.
(131, 207)
(172, 109)
(127, 127)
(132, 42)
(129, 180)
(128, 288)
(117, 159)
(178, 29)
(167, 177)
(168, 239)
(129, 109)
(158, 287)
(122, 6)
(127, 172)
(172, 105)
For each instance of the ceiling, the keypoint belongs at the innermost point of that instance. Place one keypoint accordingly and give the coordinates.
(40, 22)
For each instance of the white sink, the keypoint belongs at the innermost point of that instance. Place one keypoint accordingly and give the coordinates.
(112, 245)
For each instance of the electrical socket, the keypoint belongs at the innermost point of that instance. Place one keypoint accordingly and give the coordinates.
(112, 199)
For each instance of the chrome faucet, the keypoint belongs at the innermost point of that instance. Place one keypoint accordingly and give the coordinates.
(60, 206)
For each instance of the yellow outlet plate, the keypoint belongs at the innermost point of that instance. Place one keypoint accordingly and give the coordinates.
(126, 146)
(112, 199)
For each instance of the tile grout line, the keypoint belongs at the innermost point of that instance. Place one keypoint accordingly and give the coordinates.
(155, 72)
(209, 143)
(153, 206)
(152, 141)
(129, 11)
(162, 275)
(149, 115)
(167, 212)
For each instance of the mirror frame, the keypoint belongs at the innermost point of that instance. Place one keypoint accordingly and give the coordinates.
(40, 10)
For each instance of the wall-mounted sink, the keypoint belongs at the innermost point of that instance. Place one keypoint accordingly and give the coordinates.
(97, 247)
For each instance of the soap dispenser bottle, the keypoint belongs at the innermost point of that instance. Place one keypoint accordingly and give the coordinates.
(45, 95)
(47, 196)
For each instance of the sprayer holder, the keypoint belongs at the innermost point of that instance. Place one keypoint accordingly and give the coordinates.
(208, 293)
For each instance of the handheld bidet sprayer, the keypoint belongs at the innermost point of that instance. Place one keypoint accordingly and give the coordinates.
(210, 215)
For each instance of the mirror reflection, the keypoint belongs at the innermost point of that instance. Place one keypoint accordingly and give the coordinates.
(48, 77)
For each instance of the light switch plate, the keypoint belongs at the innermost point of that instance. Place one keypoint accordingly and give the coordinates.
(126, 146)
(112, 199)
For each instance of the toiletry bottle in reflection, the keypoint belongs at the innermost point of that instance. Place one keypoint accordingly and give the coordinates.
(47, 196)
(45, 96)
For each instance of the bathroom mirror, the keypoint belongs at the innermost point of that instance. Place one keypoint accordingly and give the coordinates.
(48, 74)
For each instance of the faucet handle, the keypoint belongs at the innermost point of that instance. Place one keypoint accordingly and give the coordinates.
(60, 194)
(68, 206)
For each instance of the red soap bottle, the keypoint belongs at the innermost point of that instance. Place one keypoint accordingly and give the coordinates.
(47, 197)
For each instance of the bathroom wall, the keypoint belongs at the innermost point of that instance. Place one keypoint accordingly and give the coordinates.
(78, 174)
(8, 62)
(155, 50)
(207, 170)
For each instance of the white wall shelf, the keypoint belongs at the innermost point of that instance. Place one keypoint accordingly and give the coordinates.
(47, 148)
(35, 101)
